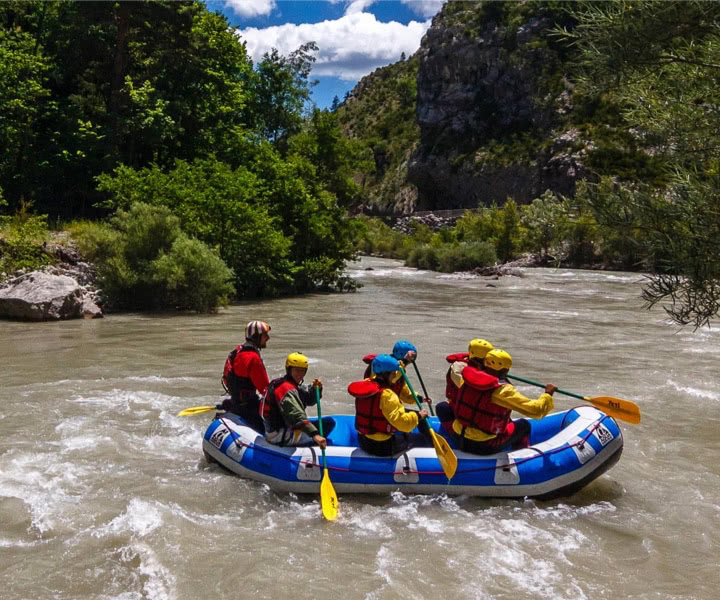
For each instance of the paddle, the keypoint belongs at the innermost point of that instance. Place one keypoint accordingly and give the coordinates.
(615, 407)
(447, 458)
(328, 497)
(195, 410)
(423, 388)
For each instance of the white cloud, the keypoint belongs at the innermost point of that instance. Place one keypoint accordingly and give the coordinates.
(425, 8)
(251, 8)
(358, 6)
(350, 47)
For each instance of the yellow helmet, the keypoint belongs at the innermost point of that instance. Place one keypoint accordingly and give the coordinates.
(296, 360)
(498, 360)
(479, 348)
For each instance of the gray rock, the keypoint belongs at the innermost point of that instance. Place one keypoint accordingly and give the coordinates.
(40, 296)
(480, 79)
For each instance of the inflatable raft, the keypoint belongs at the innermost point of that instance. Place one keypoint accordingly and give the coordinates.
(567, 451)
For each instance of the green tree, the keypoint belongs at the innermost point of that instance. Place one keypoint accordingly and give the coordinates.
(219, 206)
(660, 61)
(23, 74)
(337, 159)
(280, 90)
(125, 82)
(544, 220)
(507, 242)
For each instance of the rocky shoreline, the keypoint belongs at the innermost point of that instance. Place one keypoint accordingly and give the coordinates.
(65, 289)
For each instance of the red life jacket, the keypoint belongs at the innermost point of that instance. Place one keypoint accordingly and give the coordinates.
(238, 386)
(270, 407)
(451, 390)
(474, 406)
(395, 387)
(369, 418)
(367, 359)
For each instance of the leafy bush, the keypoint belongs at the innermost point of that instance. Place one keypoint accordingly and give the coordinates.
(266, 222)
(145, 261)
(22, 239)
(423, 257)
(466, 256)
(192, 276)
(544, 220)
(449, 258)
(374, 237)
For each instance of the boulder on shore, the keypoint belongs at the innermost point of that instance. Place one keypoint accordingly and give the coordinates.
(41, 296)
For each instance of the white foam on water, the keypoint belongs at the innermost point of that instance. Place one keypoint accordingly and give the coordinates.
(509, 551)
(159, 379)
(45, 483)
(551, 313)
(460, 276)
(384, 272)
(84, 442)
(387, 563)
(565, 512)
(158, 582)
(368, 522)
(692, 391)
(7, 543)
(139, 519)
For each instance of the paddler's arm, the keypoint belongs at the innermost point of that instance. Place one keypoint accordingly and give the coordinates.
(393, 410)
(456, 370)
(294, 414)
(508, 396)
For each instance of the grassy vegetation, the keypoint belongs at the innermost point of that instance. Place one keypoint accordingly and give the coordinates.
(562, 231)
(22, 241)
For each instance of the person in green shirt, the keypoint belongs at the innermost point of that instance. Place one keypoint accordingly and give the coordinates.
(284, 404)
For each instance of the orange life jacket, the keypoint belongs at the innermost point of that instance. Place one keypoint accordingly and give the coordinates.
(474, 406)
(369, 418)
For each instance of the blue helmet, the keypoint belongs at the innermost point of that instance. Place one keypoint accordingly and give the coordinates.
(384, 363)
(401, 348)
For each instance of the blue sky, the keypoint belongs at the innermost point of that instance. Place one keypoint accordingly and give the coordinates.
(354, 36)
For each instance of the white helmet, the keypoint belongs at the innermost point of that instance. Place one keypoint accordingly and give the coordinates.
(255, 329)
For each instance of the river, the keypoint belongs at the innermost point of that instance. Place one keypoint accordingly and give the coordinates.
(104, 492)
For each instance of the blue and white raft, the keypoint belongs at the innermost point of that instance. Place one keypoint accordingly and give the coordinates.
(567, 451)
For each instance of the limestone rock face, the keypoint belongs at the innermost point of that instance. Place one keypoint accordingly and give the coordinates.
(41, 296)
(484, 84)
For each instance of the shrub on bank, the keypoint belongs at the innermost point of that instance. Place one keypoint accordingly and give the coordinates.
(22, 239)
(145, 261)
(448, 258)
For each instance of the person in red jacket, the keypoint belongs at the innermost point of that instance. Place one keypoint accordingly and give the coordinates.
(477, 350)
(245, 377)
(482, 423)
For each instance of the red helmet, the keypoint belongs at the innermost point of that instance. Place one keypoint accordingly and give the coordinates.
(255, 329)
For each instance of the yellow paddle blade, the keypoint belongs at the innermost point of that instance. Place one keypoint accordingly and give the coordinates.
(445, 454)
(328, 498)
(194, 410)
(617, 408)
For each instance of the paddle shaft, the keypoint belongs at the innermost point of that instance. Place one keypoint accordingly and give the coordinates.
(424, 389)
(410, 387)
(320, 428)
(542, 385)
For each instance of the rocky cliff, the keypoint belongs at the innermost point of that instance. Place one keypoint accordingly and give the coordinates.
(495, 112)
(493, 107)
